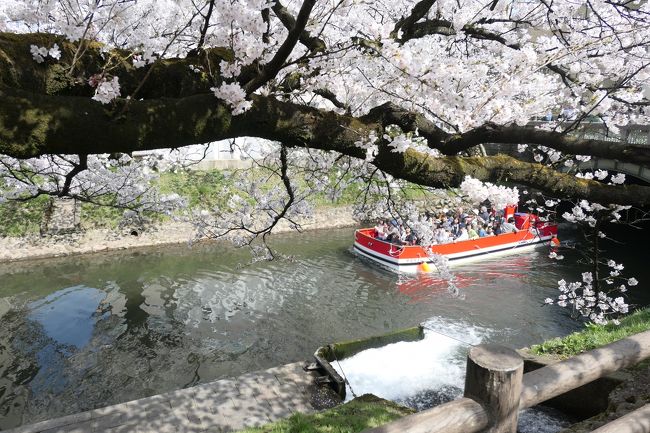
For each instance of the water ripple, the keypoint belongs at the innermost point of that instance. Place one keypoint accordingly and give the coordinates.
(135, 324)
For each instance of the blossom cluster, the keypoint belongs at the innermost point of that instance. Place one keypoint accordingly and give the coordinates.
(500, 196)
(400, 141)
(369, 145)
(107, 90)
(234, 95)
(40, 53)
(586, 301)
(591, 213)
(615, 179)
(125, 183)
(146, 58)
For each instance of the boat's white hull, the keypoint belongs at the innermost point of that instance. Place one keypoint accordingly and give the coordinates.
(414, 265)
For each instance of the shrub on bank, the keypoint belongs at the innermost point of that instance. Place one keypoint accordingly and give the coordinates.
(22, 218)
(595, 336)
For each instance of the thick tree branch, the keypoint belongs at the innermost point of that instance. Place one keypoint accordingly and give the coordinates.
(427, 27)
(172, 78)
(330, 96)
(450, 171)
(556, 140)
(33, 125)
(446, 28)
(391, 114)
(44, 110)
(37, 125)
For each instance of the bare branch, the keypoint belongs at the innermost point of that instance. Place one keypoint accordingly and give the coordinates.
(405, 24)
(330, 96)
(206, 25)
(78, 168)
(314, 44)
(271, 69)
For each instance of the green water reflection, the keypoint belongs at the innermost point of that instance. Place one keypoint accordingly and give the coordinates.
(80, 333)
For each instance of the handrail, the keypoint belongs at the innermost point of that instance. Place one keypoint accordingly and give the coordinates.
(553, 380)
(469, 415)
(462, 415)
(637, 421)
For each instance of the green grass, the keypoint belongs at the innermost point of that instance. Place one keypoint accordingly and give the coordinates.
(201, 188)
(357, 415)
(22, 218)
(99, 216)
(595, 336)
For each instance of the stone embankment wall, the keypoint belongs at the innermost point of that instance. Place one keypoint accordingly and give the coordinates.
(98, 240)
(61, 217)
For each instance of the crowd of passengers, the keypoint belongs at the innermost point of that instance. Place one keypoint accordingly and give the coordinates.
(452, 226)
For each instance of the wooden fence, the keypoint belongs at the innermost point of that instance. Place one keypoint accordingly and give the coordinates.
(496, 389)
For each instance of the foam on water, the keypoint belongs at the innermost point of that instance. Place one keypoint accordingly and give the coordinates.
(402, 371)
(426, 373)
(542, 420)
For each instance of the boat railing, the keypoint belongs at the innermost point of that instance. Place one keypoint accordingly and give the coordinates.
(369, 233)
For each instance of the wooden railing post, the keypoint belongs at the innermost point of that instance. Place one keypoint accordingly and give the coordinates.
(494, 379)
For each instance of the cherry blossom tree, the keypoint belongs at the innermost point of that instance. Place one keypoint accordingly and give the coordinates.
(381, 91)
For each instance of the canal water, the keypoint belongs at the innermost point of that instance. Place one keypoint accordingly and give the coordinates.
(86, 332)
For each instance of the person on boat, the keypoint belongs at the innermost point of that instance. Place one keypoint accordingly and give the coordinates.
(380, 230)
(482, 231)
(497, 228)
(455, 227)
(409, 237)
(498, 216)
(447, 222)
(509, 226)
(471, 232)
(442, 236)
(463, 235)
(394, 234)
(484, 214)
(404, 233)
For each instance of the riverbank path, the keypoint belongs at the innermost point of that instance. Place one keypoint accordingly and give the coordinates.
(221, 406)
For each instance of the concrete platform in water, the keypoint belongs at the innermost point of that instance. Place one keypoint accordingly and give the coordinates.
(221, 406)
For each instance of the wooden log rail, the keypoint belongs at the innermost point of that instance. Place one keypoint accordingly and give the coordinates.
(495, 390)
(633, 422)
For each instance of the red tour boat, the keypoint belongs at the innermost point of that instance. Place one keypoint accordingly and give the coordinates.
(413, 258)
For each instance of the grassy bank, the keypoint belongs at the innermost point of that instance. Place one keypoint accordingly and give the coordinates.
(202, 189)
(595, 336)
(357, 415)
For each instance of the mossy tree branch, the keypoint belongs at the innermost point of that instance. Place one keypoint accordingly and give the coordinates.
(44, 111)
